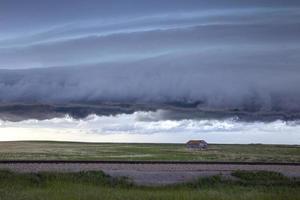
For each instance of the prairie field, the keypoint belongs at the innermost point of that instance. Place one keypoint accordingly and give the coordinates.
(39, 150)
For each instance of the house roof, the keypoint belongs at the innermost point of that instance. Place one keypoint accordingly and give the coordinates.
(196, 142)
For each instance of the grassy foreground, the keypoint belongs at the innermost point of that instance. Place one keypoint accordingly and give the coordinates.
(109, 151)
(97, 185)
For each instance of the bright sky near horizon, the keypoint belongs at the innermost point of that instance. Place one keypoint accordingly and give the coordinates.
(138, 127)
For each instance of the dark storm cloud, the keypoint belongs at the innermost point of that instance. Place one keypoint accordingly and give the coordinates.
(226, 86)
(215, 55)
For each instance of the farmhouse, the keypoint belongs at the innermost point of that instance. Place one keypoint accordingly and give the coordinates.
(196, 144)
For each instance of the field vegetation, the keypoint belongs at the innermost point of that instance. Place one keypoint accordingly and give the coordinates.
(109, 151)
(97, 185)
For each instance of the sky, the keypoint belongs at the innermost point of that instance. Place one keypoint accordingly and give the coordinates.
(143, 127)
(218, 55)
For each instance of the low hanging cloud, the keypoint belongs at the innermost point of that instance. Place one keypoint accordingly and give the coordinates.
(242, 59)
(164, 79)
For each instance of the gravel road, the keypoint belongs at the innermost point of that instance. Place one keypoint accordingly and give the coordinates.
(152, 174)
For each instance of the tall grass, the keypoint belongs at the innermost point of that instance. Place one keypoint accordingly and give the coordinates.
(97, 185)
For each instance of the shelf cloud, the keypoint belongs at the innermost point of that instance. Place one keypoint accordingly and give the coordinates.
(218, 56)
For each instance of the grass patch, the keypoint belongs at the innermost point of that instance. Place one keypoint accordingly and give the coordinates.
(44, 178)
(259, 175)
(97, 185)
(264, 178)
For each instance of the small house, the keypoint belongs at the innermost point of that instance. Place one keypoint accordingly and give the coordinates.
(196, 144)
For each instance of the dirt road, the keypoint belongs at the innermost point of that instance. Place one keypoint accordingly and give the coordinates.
(152, 174)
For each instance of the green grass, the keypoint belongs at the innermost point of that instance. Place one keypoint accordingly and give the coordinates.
(108, 151)
(97, 185)
(259, 175)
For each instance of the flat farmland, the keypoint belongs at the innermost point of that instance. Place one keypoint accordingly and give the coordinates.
(44, 150)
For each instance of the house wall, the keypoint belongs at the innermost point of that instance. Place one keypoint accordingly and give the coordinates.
(196, 146)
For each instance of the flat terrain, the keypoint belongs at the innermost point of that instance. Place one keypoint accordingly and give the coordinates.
(114, 181)
(148, 152)
(97, 185)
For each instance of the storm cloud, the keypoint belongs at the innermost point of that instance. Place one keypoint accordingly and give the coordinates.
(218, 56)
